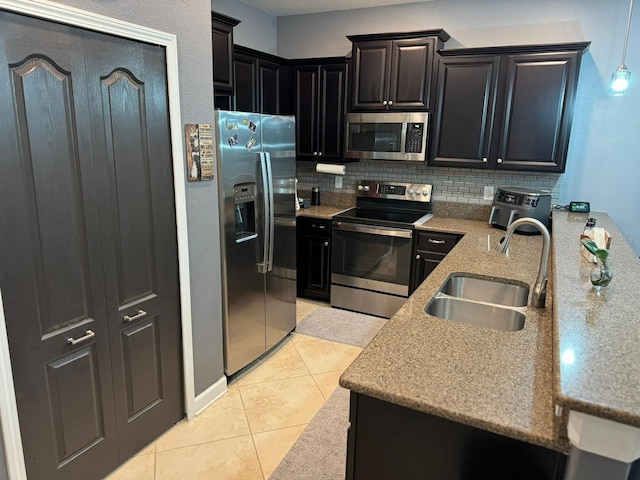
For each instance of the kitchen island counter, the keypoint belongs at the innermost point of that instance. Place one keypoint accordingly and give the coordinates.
(499, 381)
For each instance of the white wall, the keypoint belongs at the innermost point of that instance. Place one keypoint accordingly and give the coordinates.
(603, 164)
(257, 29)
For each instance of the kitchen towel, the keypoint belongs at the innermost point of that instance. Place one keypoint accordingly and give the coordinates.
(330, 168)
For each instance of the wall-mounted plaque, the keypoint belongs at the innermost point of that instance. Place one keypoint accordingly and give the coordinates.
(199, 140)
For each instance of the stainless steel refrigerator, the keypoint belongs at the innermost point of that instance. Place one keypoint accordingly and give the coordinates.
(256, 166)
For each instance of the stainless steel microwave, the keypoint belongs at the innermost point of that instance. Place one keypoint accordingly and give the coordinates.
(387, 136)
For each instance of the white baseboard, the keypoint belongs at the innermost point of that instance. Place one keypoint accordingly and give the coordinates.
(210, 395)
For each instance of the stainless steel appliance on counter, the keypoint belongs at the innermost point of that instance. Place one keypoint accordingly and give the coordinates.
(512, 203)
(387, 136)
(256, 179)
(372, 244)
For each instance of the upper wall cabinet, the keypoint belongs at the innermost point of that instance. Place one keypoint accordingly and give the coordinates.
(505, 108)
(394, 71)
(320, 109)
(263, 83)
(222, 40)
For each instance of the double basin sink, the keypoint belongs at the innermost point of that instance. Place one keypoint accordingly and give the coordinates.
(483, 301)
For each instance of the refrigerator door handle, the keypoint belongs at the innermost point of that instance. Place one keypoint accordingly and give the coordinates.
(263, 265)
(271, 213)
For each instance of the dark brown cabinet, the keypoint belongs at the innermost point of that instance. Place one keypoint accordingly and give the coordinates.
(320, 109)
(313, 257)
(505, 108)
(222, 41)
(262, 82)
(392, 442)
(429, 250)
(394, 71)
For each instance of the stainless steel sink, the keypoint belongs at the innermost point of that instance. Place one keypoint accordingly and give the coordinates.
(484, 290)
(482, 301)
(483, 314)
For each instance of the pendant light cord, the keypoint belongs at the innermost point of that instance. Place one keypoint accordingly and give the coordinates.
(626, 39)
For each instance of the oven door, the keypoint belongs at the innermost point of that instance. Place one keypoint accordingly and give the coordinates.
(371, 257)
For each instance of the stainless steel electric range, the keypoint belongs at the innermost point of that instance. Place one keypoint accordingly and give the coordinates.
(372, 245)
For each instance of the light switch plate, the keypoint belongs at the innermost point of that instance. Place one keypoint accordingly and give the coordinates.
(488, 192)
(338, 182)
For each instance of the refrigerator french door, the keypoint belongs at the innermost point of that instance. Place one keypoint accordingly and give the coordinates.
(256, 180)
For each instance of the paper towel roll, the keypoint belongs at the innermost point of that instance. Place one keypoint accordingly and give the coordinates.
(331, 168)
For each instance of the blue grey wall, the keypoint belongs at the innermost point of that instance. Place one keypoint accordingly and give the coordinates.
(603, 164)
(257, 29)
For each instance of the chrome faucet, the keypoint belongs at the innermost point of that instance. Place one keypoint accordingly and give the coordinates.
(539, 295)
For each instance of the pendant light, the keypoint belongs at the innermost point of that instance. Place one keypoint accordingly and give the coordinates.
(620, 79)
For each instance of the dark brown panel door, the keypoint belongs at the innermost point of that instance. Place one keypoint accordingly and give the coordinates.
(537, 106)
(462, 124)
(130, 129)
(410, 74)
(331, 108)
(50, 259)
(306, 112)
(268, 89)
(88, 239)
(371, 64)
(245, 78)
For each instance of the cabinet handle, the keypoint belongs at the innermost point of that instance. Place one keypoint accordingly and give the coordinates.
(87, 335)
(315, 154)
(384, 102)
(417, 257)
(484, 160)
(390, 102)
(319, 154)
(139, 314)
(439, 242)
(321, 227)
(326, 244)
(499, 160)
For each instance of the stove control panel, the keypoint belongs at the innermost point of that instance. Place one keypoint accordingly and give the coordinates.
(416, 192)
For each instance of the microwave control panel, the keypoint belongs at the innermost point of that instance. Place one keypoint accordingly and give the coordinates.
(415, 134)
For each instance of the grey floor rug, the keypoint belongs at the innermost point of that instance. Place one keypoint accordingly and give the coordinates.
(320, 453)
(341, 326)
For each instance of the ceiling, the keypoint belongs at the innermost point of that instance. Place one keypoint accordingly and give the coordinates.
(296, 7)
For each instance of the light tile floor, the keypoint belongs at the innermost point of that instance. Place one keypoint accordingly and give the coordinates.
(245, 434)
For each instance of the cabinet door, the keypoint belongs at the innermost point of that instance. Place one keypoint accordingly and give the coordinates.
(245, 79)
(371, 64)
(331, 112)
(313, 255)
(464, 110)
(424, 263)
(306, 112)
(268, 87)
(536, 111)
(222, 40)
(410, 74)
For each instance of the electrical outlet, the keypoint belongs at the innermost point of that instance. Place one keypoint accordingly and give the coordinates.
(488, 192)
(338, 181)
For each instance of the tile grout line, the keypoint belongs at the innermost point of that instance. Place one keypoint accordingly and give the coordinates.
(253, 440)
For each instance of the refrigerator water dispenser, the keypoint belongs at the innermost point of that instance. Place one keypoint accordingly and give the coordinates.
(244, 209)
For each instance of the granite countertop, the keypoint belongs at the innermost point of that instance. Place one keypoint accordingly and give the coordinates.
(320, 211)
(597, 336)
(499, 381)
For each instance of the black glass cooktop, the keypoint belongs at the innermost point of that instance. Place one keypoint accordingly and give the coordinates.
(392, 216)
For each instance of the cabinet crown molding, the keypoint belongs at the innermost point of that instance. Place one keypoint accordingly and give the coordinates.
(542, 48)
(440, 33)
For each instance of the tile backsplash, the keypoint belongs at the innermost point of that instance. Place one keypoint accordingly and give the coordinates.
(459, 185)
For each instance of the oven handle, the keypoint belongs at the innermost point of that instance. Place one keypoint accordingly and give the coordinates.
(372, 230)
